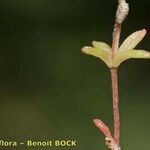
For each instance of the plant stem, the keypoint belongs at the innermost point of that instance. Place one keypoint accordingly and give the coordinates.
(114, 81)
(116, 37)
(113, 142)
(115, 98)
(121, 14)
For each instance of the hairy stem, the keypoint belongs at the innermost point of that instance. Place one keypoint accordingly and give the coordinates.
(113, 142)
(116, 38)
(115, 98)
(114, 80)
(121, 14)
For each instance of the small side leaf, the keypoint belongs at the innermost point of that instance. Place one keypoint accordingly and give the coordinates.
(102, 127)
(131, 41)
(98, 52)
(101, 45)
(122, 56)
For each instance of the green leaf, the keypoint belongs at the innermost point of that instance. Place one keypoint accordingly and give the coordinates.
(122, 56)
(126, 51)
(131, 41)
(100, 50)
(101, 45)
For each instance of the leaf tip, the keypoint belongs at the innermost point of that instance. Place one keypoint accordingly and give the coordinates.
(85, 49)
(147, 54)
(94, 43)
(143, 32)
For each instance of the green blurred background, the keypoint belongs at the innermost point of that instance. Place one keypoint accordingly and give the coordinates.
(50, 90)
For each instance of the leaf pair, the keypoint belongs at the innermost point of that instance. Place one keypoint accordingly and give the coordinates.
(125, 51)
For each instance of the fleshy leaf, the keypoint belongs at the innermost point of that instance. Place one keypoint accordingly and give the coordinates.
(126, 50)
(99, 50)
(102, 127)
(131, 41)
(122, 56)
(101, 45)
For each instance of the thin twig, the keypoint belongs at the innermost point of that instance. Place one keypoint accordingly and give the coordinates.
(113, 142)
(121, 14)
(116, 37)
(115, 98)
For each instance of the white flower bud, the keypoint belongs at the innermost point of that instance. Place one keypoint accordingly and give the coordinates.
(122, 11)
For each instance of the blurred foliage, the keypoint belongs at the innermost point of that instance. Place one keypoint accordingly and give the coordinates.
(49, 90)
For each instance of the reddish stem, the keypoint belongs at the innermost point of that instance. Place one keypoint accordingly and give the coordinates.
(115, 98)
(116, 37)
(121, 14)
(114, 80)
